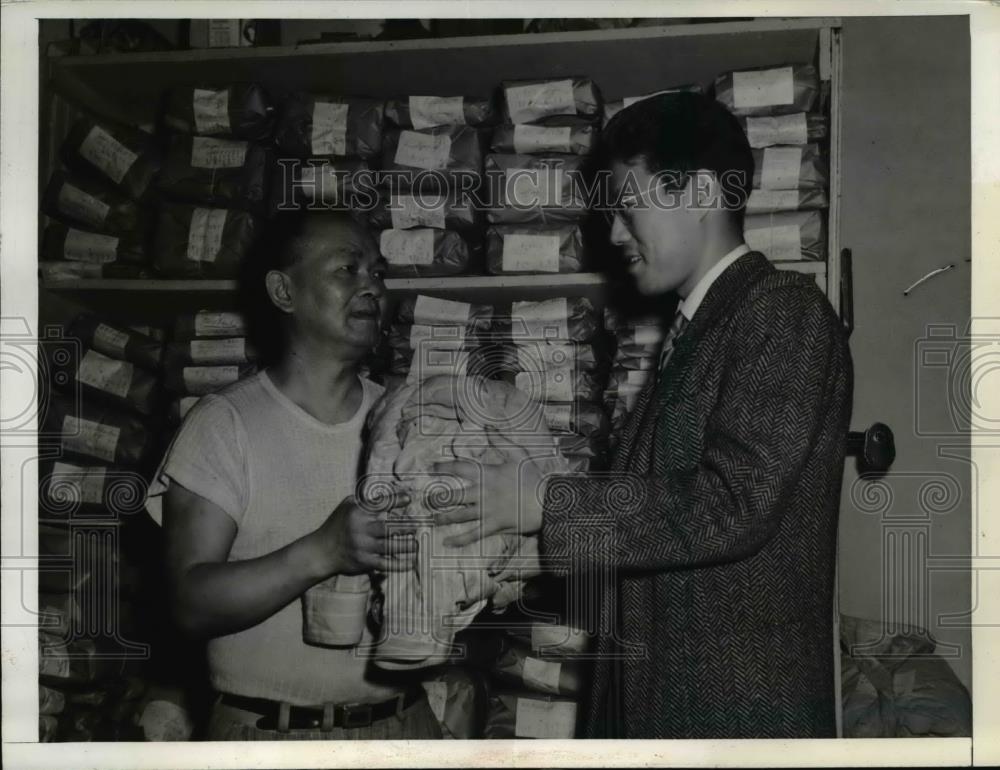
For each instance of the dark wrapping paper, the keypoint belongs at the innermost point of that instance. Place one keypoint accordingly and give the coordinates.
(535, 188)
(65, 270)
(576, 139)
(117, 341)
(578, 418)
(423, 252)
(770, 201)
(98, 250)
(770, 91)
(627, 379)
(573, 445)
(127, 158)
(433, 159)
(92, 205)
(81, 662)
(613, 108)
(199, 380)
(219, 172)
(209, 323)
(773, 171)
(636, 357)
(209, 352)
(329, 183)
(616, 318)
(530, 715)
(358, 133)
(796, 128)
(96, 432)
(430, 111)
(519, 249)
(559, 386)
(405, 210)
(518, 667)
(239, 111)
(50, 701)
(787, 235)
(432, 311)
(537, 101)
(196, 242)
(559, 318)
(115, 382)
(69, 488)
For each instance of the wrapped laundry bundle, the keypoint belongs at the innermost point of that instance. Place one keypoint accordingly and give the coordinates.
(559, 318)
(209, 352)
(81, 662)
(524, 139)
(457, 696)
(559, 385)
(125, 157)
(516, 249)
(523, 715)
(449, 152)
(796, 128)
(68, 487)
(60, 242)
(431, 111)
(627, 381)
(516, 666)
(788, 235)
(423, 252)
(96, 432)
(54, 270)
(199, 380)
(537, 101)
(209, 323)
(117, 382)
(218, 172)
(92, 205)
(772, 201)
(117, 341)
(325, 126)
(238, 111)
(58, 613)
(402, 211)
(613, 108)
(772, 91)
(320, 182)
(193, 242)
(535, 188)
(414, 427)
(50, 702)
(582, 418)
(790, 168)
(433, 311)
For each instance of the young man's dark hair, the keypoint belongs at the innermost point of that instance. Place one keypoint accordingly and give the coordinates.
(681, 133)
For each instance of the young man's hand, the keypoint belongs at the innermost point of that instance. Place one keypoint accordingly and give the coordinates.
(497, 498)
(358, 538)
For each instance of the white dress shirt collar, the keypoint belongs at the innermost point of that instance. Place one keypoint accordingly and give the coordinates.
(693, 300)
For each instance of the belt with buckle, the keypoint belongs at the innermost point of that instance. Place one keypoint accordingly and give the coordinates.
(324, 717)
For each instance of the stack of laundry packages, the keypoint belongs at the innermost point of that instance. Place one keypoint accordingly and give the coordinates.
(779, 109)
(637, 349)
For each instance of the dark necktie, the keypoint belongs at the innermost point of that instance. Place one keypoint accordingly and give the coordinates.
(675, 330)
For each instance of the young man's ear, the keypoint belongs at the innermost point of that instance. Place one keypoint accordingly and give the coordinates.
(706, 191)
(279, 289)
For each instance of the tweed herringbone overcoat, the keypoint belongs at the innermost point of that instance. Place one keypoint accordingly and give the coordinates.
(709, 548)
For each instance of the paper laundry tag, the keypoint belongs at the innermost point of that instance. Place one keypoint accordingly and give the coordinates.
(431, 310)
(217, 153)
(544, 719)
(780, 169)
(81, 246)
(418, 211)
(408, 247)
(199, 380)
(763, 201)
(426, 151)
(205, 234)
(648, 335)
(225, 33)
(436, 336)
(87, 484)
(329, 128)
(211, 111)
(559, 417)
(781, 243)
(437, 694)
(523, 251)
(90, 438)
(638, 377)
(777, 129)
(542, 675)
(553, 637)
(220, 351)
(54, 661)
(107, 153)
(110, 341)
(527, 187)
(76, 203)
(529, 103)
(430, 111)
(548, 319)
(208, 323)
(107, 374)
(529, 139)
(763, 88)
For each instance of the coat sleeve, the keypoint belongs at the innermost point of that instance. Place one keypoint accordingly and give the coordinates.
(771, 404)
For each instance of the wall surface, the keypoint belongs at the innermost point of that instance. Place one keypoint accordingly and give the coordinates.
(905, 212)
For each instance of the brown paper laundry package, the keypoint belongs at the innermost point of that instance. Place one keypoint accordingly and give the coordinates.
(209, 323)
(433, 158)
(783, 167)
(519, 249)
(543, 189)
(92, 205)
(61, 242)
(787, 235)
(771, 91)
(96, 432)
(796, 128)
(537, 101)
(228, 173)
(430, 111)
(197, 242)
(237, 111)
(573, 138)
(402, 211)
(124, 157)
(613, 108)
(324, 126)
(413, 427)
(117, 341)
(423, 252)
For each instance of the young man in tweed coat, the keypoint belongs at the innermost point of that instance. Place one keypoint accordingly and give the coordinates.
(716, 529)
